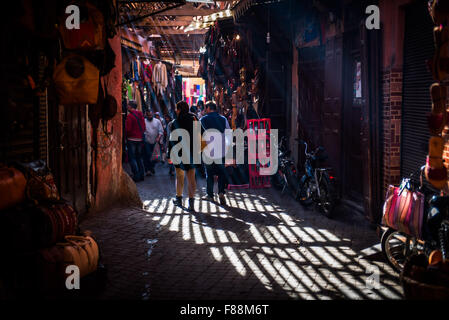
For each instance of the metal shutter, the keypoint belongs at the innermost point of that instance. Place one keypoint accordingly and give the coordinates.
(418, 47)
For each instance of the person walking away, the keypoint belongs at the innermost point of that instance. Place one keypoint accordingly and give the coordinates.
(162, 149)
(213, 120)
(200, 107)
(171, 167)
(184, 120)
(135, 131)
(153, 134)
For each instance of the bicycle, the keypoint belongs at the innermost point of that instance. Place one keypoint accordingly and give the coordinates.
(316, 185)
(286, 177)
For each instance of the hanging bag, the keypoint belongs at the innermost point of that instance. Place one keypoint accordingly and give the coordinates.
(91, 34)
(404, 210)
(76, 81)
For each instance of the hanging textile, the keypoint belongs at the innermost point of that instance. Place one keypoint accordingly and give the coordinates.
(135, 71)
(160, 80)
(128, 89)
(147, 71)
(137, 96)
(178, 88)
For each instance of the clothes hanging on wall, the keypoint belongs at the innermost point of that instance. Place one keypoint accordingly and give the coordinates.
(147, 71)
(178, 87)
(159, 78)
(138, 96)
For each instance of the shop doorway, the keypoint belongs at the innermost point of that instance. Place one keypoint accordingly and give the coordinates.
(311, 98)
(353, 108)
(68, 156)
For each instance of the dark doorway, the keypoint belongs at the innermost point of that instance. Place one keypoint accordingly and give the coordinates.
(68, 141)
(311, 97)
(353, 108)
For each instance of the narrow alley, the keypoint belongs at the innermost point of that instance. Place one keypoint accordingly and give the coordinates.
(262, 245)
(212, 151)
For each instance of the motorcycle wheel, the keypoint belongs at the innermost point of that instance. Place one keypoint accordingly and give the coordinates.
(396, 248)
(326, 202)
(305, 193)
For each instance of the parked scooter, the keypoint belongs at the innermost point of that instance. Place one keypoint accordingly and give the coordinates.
(398, 246)
(317, 185)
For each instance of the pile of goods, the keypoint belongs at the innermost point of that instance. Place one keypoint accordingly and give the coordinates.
(436, 172)
(39, 233)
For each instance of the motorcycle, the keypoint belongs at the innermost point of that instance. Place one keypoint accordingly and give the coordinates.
(398, 246)
(317, 185)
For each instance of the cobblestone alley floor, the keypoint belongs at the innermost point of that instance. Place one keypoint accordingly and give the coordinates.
(262, 245)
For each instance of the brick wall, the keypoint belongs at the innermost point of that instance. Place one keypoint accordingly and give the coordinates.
(392, 104)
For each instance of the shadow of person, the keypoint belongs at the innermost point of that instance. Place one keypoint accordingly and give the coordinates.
(258, 217)
(220, 223)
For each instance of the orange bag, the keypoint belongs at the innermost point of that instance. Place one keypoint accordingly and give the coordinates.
(81, 251)
(12, 187)
(76, 80)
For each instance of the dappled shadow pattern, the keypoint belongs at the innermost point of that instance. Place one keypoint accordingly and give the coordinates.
(260, 246)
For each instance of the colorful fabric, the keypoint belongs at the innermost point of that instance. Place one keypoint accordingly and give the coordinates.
(404, 211)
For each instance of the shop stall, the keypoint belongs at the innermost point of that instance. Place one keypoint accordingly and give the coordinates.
(231, 72)
(193, 90)
(147, 80)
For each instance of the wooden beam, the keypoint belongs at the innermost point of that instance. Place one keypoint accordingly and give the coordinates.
(169, 31)
(174, 23)
(188, 12)
(187, 9)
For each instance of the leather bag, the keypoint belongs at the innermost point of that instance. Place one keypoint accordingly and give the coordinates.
(75, 250)
(41, 185)
(404, 210)
(76, 80)
(60, 220)
(91, 34)
(81, 251)
(12, 187)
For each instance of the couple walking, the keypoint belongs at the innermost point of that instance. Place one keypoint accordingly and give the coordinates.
(186, 120)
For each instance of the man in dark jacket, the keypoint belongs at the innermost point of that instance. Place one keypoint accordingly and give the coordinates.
(213, 120)
(134, 131)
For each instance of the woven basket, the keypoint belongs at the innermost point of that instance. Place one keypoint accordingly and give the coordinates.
(414, 290)
(417, 290)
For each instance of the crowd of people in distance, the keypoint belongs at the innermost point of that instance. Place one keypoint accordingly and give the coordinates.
(148, 142)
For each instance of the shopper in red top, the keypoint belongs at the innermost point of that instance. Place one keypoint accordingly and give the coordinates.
(134, 131)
